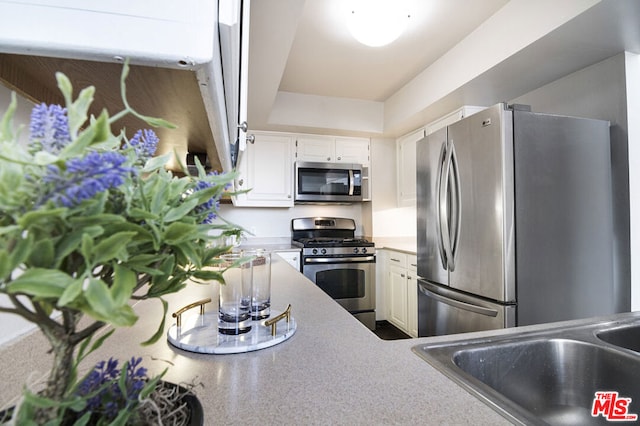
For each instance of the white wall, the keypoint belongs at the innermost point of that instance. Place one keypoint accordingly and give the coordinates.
(600, 91)
(388, 220)
(633, 132)
(12, 325)
(276, 222)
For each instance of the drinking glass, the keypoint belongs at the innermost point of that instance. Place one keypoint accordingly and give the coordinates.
(261, 286)
(234, 315)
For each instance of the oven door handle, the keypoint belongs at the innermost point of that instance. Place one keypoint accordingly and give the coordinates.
(359, 259)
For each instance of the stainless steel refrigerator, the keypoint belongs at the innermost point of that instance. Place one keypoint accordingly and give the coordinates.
(515, 222)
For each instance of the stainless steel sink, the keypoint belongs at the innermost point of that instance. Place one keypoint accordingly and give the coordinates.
(548, 376)
(626, 337)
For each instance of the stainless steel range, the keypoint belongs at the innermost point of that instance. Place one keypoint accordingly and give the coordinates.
(340, 264)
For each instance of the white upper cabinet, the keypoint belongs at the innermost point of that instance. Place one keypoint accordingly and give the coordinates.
(266, 169)
(452, 117)
(406, 155)
(352, 150)
(332, 149)
(315, 148)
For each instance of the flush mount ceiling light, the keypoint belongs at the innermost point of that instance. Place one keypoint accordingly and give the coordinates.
(377, 22)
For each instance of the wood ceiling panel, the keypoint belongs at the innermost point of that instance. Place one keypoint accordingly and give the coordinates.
(171, 94)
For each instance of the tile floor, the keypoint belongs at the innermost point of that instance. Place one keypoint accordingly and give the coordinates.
(387, 331)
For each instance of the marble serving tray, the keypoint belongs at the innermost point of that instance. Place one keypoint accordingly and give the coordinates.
(199, 333)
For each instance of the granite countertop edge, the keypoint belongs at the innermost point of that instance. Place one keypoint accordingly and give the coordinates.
(333, 370)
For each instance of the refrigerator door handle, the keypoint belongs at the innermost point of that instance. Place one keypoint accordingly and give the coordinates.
(439, 204)
(445, 198)
(454, 237)
(458, 304)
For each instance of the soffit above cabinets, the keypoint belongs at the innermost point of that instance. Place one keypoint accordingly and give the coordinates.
(171, 94)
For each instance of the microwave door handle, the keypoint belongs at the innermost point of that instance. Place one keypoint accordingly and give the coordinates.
(351, 183)
(438, 216)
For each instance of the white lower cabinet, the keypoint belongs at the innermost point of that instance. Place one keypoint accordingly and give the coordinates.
(292, 257)
(412, 295)
(400, 291)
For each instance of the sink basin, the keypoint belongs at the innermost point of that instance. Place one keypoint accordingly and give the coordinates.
(625, 337)
(547, 376)
(553, 379)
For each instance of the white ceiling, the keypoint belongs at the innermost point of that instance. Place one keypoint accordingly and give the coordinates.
(326, 60)
(303, 47)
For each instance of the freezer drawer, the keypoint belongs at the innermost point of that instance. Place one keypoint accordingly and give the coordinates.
(444, 311)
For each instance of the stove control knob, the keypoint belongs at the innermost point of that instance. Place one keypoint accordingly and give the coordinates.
(314, 251)
(323, 251)
(364, 250)
(356, 250)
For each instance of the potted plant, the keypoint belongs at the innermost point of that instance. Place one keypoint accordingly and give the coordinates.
(89, 221)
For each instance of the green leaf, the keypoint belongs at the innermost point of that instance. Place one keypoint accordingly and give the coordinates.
(160, 332)
(40, 283)
(151, 385)
(180, 211)
(208, 275)
(97, 219)
(6, 131)
(178, 232)
(112, 247)
(64, 84)
(70, 293)
(86, 247)
(5, 265)
(124, 282)
(190, 252)
(29, 219)
(42, 254)
(103, 307)
(79, 146)
(140, 214)
(157, 122)
(156, 163)
(44, 158)
(103, 130)
(95, 345)
(73, 240)
(78, 110)
(21, 251)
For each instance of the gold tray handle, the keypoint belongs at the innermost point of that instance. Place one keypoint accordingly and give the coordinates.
(272, 322)
(179, 312)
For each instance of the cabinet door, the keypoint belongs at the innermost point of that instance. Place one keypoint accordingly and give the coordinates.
(406, 152)
(352, 150)
(292, 258)
(315, 148)
(412, 296)
(398, 297)
(267, 170)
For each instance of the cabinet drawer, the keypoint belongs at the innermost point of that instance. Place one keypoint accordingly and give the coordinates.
(412, 262)
(397, 259)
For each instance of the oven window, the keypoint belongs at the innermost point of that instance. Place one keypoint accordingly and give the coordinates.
(323, 181)
(342, 283)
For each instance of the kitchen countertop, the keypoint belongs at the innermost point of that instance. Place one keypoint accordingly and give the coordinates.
(403, 244)
(333, 370)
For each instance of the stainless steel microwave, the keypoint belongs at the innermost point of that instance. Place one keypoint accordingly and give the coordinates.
(327, 182)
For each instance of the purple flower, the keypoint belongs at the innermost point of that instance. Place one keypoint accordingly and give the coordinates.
(49, 128)
(145, 143)
(103, 393)
(208, 207)
(83, 178)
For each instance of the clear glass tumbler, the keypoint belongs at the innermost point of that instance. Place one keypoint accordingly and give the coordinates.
(261, 288)
(234, 315)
